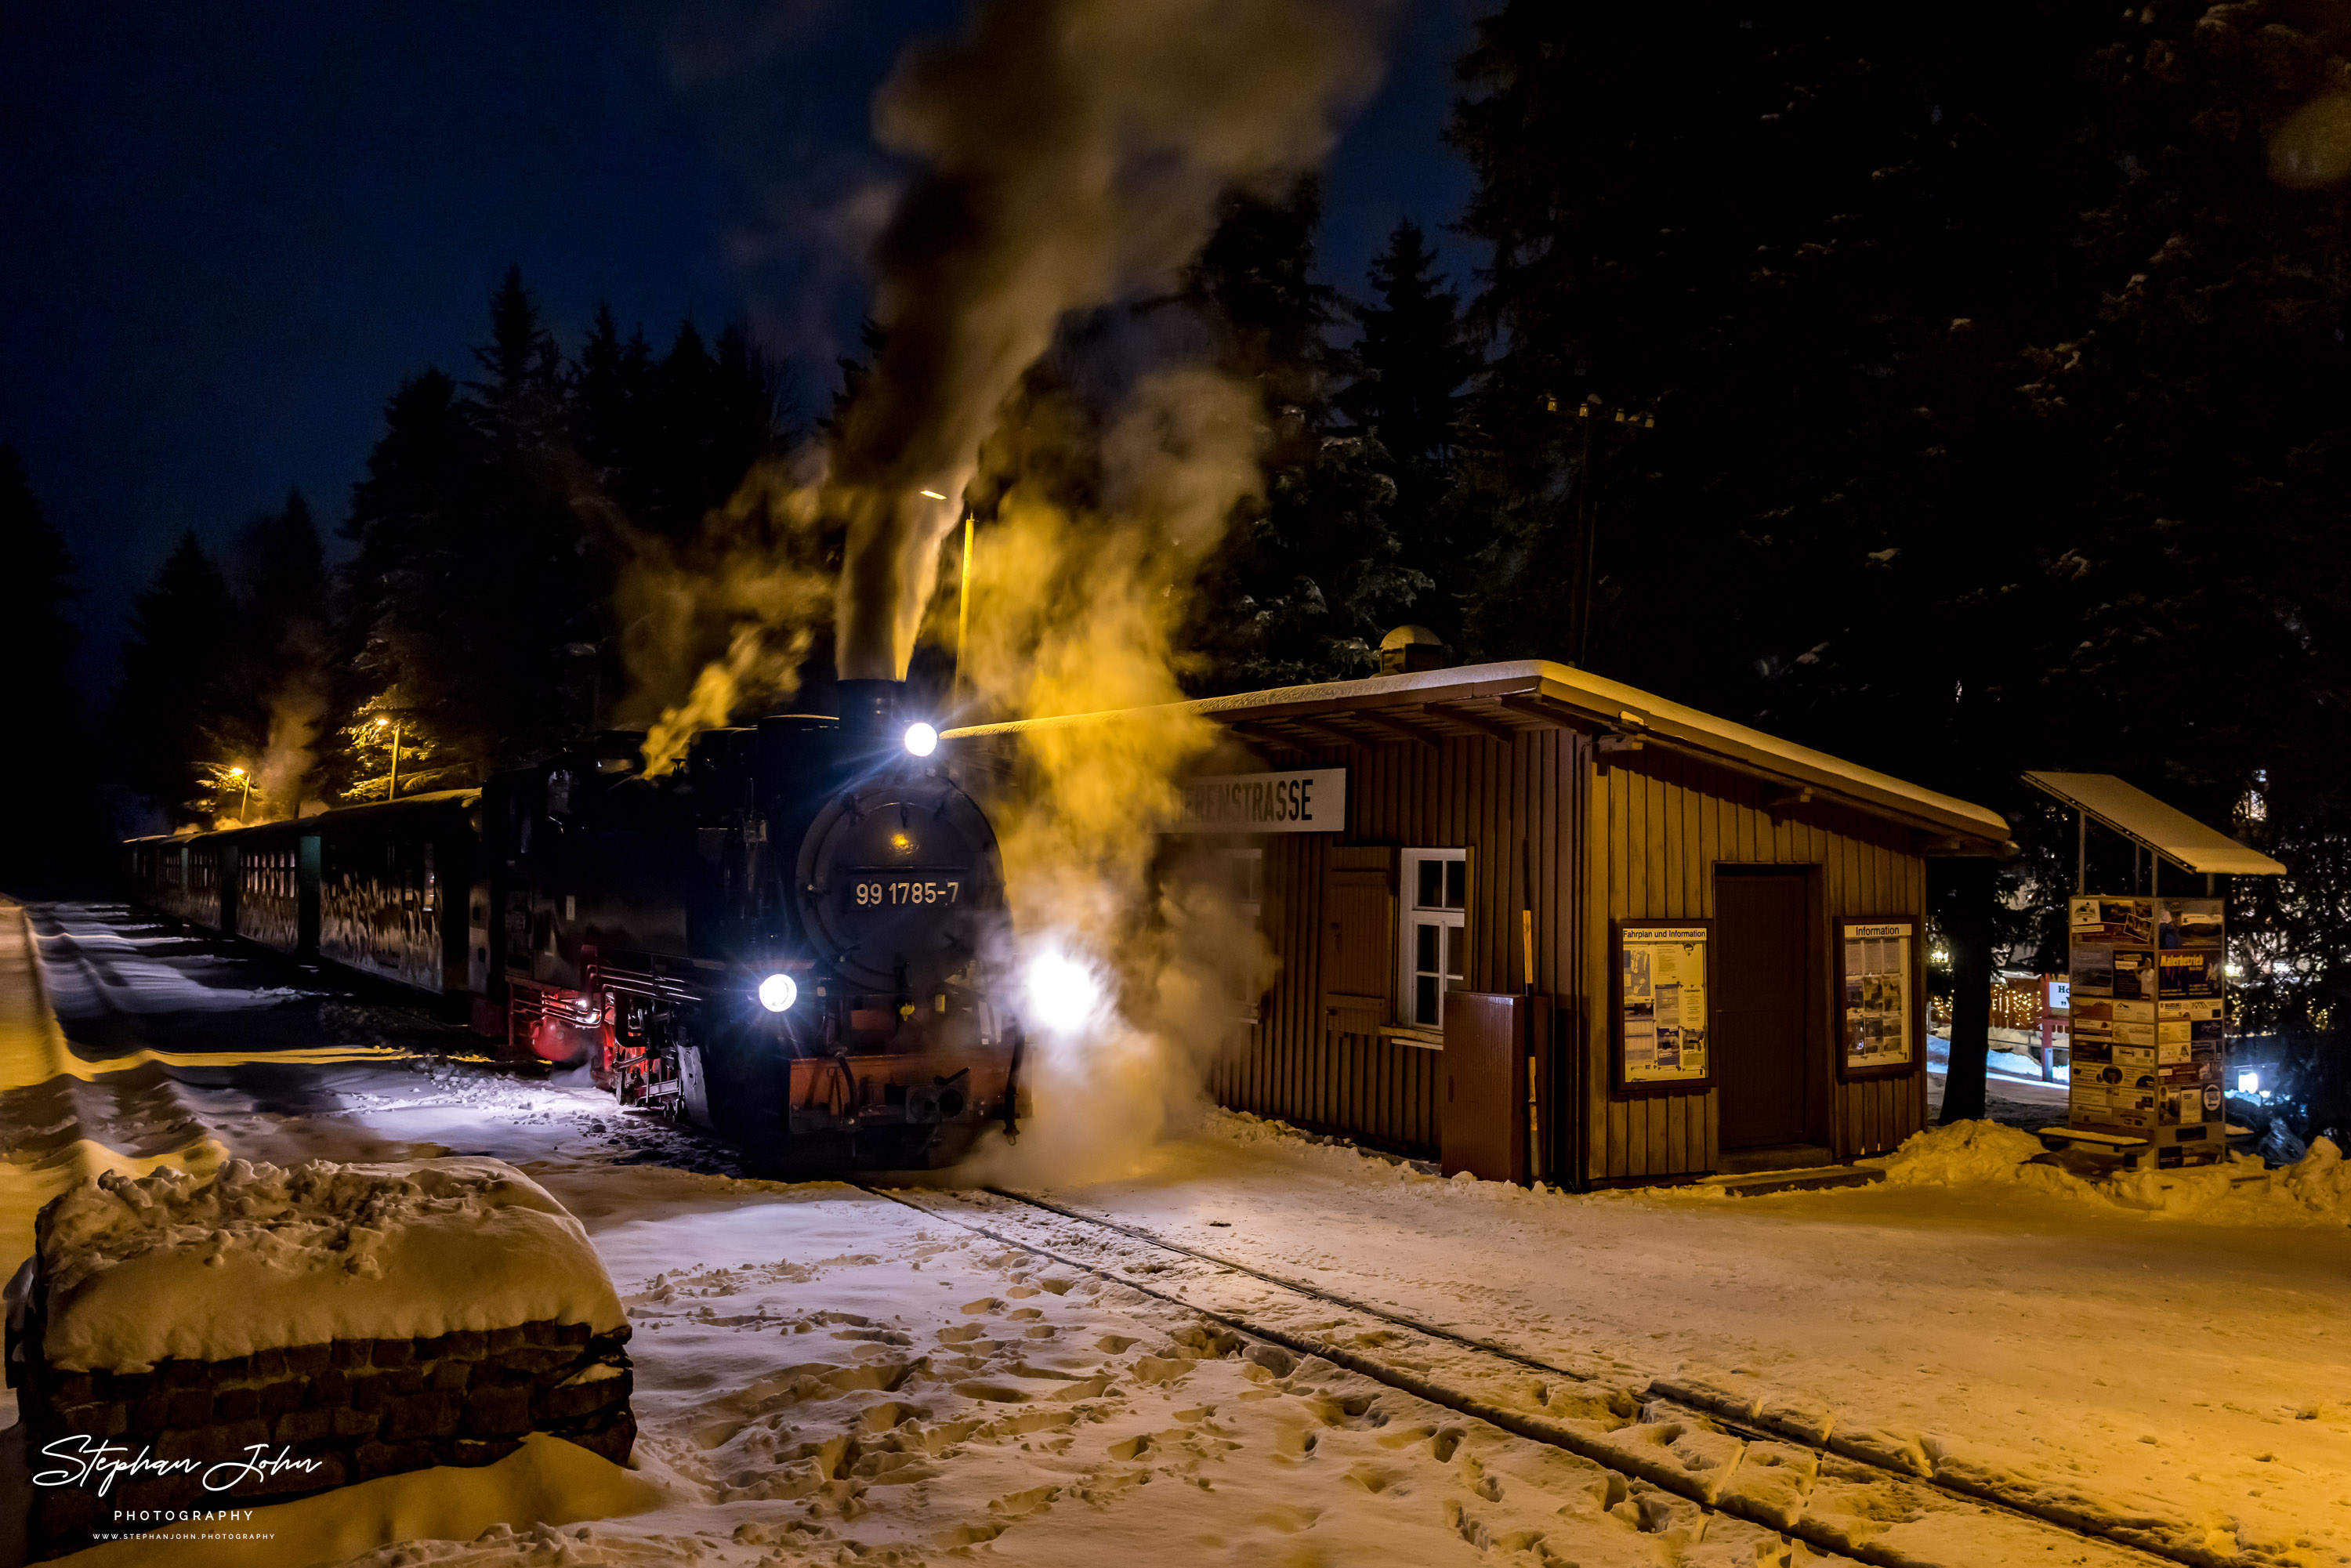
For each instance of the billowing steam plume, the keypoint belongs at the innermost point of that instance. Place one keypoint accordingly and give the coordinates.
(1073, 151)
(1074, 154)
(741, 600)
(1136, 973)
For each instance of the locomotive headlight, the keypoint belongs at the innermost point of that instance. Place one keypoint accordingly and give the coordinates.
(922, 739)
(778, 993)
(1064, 991)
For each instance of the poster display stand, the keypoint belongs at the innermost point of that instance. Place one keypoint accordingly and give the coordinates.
(2147, 1014)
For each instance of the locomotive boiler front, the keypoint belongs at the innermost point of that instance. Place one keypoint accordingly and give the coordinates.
(899, 886)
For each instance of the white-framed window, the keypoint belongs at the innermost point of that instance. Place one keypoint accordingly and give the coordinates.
(1240, 872)
(1432, 932)
(1240, 877)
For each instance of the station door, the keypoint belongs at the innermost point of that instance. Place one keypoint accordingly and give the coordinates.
(1760, 1008)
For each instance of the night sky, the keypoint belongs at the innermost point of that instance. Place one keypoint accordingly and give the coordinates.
(228, 244)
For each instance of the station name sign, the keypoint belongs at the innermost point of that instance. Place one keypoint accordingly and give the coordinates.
(1312, 802)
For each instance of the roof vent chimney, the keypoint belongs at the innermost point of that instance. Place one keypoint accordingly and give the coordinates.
(1410, 649)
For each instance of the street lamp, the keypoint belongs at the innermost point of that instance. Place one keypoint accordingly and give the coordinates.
(245, 807)
(392, 788)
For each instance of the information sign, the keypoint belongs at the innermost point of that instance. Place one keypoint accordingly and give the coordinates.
(1881, 997)
(1663, 1009)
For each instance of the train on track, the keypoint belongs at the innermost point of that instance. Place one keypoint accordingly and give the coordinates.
(796, 939)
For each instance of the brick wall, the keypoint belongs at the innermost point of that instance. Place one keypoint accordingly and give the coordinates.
(356, 1409)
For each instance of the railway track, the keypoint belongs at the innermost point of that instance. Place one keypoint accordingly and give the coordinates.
(1842, 1495)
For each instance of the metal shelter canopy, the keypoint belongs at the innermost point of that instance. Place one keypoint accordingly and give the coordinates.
(2154, 826)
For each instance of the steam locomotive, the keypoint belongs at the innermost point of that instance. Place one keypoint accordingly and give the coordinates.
(797, 939)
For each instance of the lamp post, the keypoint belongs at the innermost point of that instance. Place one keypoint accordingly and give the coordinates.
(245, 807)
(392, 788)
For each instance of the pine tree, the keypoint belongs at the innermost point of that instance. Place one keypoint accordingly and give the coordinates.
(710, 416)
(1309, 579)
(532, 591)
(407, 633)
(609, 392)
(274, 679)
(1407, 370)
(170, 704)
(36, 641)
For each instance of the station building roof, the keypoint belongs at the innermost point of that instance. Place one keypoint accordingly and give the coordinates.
(1501, 700)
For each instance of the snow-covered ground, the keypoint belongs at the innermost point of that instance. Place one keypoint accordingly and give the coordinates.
(827, 1373)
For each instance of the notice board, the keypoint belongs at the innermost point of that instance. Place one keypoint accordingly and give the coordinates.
(1662, 1006)
(1882, 1005)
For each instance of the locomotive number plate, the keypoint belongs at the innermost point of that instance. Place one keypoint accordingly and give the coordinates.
(896, 892)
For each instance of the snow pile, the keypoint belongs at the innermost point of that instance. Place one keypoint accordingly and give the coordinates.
(1339, 1156)
(136, 1270)
(1962, 1154)
(2239, 1190)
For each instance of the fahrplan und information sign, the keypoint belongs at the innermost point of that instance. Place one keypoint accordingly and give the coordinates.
(1663, 1022)
(1313, 801)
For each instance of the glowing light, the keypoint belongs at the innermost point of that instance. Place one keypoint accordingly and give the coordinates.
(922, 739)
(1063, 993)
(237, 772)
(778, 993)
(2249, 1082)
(934, 496)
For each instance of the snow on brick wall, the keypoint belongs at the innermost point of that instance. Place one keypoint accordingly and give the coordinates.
(206, 1345)
(260, 1258)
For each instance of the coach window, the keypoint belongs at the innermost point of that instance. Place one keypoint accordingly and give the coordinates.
(1434, 933)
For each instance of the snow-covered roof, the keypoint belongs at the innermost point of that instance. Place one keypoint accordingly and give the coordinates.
(1527, 694)
(2146, 820)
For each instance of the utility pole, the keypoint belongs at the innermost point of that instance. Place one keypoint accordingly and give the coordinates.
(1584, 549)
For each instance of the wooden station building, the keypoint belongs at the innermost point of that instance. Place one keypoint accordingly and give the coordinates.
(1552, 927)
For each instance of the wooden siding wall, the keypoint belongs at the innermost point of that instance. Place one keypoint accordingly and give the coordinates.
(1516, 808)
(1663, 823)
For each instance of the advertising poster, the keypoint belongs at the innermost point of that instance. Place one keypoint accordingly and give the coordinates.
(2148, 1020)
(1880, 994)
(2111, 922)
(2134, 973)
(2188, 973)
(2188, 923)
(1662, 1002)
